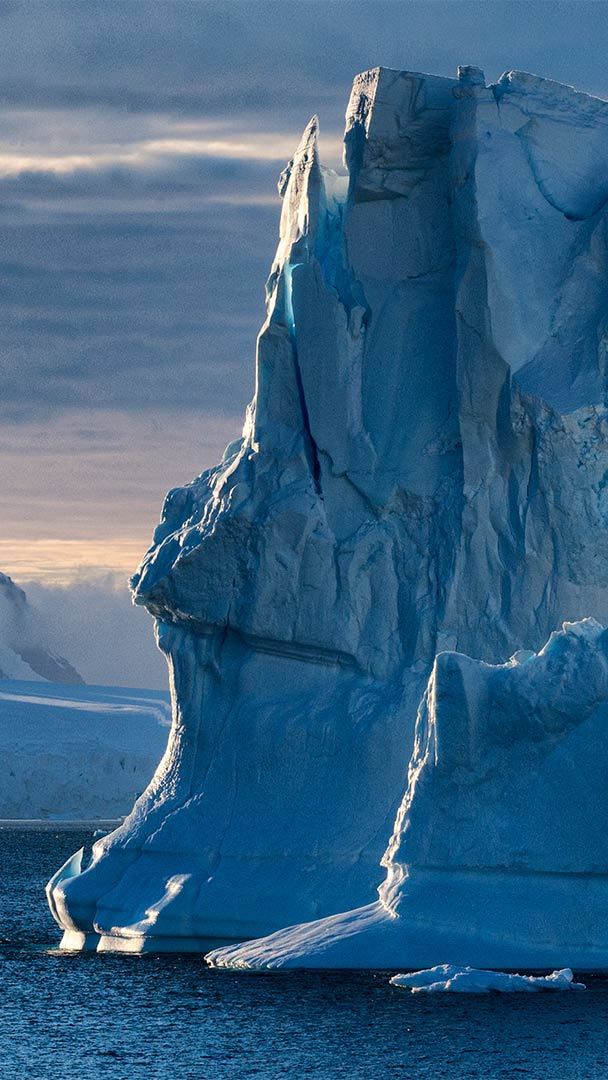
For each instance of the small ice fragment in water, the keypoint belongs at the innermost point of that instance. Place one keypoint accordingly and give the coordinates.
(447, 978)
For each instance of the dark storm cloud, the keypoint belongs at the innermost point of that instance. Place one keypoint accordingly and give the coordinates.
(257, 55)
(141, 144)
(134, 310)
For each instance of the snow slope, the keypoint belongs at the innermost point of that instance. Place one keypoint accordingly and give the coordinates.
(24, 653)
(422, 472)
(77, 752)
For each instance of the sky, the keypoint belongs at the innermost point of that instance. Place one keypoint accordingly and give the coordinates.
(140, 145)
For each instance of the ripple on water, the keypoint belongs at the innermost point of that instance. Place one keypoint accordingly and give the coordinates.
(158, 1017)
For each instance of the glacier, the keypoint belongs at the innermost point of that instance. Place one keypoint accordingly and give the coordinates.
(419, 494)
(24, 650)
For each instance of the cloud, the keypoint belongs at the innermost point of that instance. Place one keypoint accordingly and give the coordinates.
(133, 309)
(176, 57)
(136, 243)
(94, 625)
(196, 178)
(141, 142)
(141, 146)
(160, 153)
(82, 491)
(208, 58)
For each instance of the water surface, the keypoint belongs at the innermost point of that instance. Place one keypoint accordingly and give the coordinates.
(89, 1017)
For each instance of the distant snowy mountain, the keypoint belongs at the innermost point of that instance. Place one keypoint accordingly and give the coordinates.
(23, 651)
(68, 751)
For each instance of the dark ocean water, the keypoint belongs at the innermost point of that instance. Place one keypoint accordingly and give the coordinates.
(170, 1018)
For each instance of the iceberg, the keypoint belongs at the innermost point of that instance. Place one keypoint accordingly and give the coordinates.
(453, 980)
(422, 478)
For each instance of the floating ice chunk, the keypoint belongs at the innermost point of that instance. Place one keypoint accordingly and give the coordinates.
(447, 978)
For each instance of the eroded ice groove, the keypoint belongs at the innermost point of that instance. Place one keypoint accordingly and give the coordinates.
(499, 855)
(423, 468)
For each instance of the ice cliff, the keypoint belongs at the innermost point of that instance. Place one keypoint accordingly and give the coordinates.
(423, 473)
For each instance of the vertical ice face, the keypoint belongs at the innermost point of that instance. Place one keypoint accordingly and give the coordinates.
(423, 467)
(399, 240)
(335, 520)
(536, 155)
(430, 377)
(531, 306)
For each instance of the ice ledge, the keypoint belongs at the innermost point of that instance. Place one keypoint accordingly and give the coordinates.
(520, 748)
(528, 83)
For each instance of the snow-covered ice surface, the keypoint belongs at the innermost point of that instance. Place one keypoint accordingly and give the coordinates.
(446, 978)
(77, 752)
(24, 651)
(422, 474)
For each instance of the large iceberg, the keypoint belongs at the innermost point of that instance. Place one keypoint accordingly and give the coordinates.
(423, 473)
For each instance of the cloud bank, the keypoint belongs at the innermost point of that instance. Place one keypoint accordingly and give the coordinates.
(94, 625)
